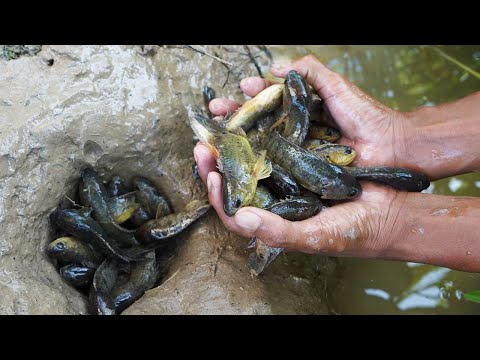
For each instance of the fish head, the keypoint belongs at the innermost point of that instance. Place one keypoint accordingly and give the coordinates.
(344, 187)
(342, 155)
(57, 246)
(237, 194)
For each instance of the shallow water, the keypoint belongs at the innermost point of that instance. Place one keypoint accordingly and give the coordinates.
(404, 78)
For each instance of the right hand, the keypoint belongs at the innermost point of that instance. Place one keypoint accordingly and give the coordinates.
(357, 228)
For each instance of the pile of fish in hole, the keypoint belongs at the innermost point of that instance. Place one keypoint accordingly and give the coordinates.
(278, 152)
(117, 243)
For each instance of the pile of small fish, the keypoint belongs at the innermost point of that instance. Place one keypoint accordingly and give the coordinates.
(278, 152)
(117, 263)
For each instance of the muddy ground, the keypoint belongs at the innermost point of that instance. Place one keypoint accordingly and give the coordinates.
(121, 110)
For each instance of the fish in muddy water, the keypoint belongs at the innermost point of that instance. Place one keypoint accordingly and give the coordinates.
(143, 276)
(78, 276)
(163, 228)
(68, 249)
(100, 299)
(79, 224)
(150, 198)
(122, 207)
(117, 187)
(94, 195)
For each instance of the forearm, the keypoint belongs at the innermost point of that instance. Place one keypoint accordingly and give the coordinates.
(433, 229)
(443, 140)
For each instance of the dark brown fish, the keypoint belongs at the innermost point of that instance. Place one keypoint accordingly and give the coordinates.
(100, 299)
(78, 276)
(398, 178)
(163, 228)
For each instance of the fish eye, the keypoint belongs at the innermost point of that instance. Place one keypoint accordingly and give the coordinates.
(329, 132)
(60, 246)
(353, 192)
(348, 151)
(238, 203)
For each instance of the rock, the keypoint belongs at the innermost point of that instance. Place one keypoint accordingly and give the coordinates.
(121, 110)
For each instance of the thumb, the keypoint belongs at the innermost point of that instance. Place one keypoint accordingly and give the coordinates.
(269, 228)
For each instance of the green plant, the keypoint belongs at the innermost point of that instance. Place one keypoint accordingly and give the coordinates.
(473, 296)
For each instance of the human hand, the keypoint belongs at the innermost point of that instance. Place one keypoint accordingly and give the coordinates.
(348, 228)
(375, 131)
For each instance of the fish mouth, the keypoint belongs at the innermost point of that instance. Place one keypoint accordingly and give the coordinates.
(229, 212)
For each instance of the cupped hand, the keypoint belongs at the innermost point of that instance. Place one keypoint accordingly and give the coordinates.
(356, 228)
(350, 228)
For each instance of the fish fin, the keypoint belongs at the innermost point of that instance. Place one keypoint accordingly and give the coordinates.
(239, 131)
(262, 168)
(278, 122)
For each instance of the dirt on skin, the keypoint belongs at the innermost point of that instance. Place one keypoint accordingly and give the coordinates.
(121, 110)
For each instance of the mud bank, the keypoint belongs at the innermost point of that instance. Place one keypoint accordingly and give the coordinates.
(121, 110)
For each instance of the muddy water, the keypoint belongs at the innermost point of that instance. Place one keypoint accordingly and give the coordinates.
(404, 78)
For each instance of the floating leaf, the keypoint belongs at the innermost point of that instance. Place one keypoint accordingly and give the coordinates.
(473, 296)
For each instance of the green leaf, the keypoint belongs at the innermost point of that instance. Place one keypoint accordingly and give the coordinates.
(473, 296)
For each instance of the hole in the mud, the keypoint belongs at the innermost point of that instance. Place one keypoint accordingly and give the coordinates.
(128, 284)
(92, 151)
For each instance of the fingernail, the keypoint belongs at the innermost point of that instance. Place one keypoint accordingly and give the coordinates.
(248, 220)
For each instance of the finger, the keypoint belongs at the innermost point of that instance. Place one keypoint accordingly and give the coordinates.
(251, 86)
(270, 228)
(222, 106)
(205, 161)
(215, 196)
(326, 82)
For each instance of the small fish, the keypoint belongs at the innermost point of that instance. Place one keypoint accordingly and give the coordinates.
(236, 160)
(312, 172)
(143, 276)
(79, 276)
(122, 207)
(297, 98)
(196, 175)
(281, 182)
(140, 217)
(335, 153)
(208, 95)
(150, 198)
(117, 187)
(312, 144)
(68, 249)
(265, 101)
(79, 224)
(170, 225)
(263, 197)
(398, 178)
(94, 195)
(100, 298)
(323, 133)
